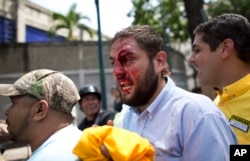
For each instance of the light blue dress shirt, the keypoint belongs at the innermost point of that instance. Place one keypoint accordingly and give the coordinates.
(59, 146)
(183, 126)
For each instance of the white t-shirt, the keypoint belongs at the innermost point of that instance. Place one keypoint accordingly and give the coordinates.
(59, 146)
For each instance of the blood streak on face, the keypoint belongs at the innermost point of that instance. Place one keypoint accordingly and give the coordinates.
(133, 72)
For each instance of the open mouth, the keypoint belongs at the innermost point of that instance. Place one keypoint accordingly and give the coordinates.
(125, 86)
(195, 67)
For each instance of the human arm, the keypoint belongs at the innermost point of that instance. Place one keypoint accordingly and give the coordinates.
(105, 117)
(210, 139)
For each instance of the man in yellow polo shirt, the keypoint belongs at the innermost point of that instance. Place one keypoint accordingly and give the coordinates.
(221, 56)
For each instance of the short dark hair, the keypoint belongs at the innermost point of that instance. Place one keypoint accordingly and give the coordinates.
(232, 26)
(146, 37)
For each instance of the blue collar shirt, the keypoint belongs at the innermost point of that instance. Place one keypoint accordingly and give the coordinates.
(183, 126)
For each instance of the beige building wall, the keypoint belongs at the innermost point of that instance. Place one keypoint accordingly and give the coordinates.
(79, 60)
(26, 13)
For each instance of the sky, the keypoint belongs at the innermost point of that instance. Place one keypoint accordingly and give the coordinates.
(113, 13)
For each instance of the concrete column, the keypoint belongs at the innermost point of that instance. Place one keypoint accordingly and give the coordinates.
(20, 21)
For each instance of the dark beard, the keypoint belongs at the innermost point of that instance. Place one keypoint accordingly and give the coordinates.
(145, 89)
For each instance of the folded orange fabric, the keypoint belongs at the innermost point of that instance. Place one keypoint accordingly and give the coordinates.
(122, 145)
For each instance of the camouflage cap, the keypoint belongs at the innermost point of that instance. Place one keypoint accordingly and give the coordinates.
(57, 89)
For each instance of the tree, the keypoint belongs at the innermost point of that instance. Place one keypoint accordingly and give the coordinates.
(195, 15)
(69, 21)
(218, 7)
(176, 19)
(166, 16)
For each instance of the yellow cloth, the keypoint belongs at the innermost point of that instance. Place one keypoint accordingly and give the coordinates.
(122, 145)
(234, 102)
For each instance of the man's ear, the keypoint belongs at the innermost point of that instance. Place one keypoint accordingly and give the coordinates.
(40, 110)
(161, 58)
(227, 47)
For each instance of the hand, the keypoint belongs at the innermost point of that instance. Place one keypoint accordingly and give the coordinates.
(105, 152)
(4, 134)
(110, 123)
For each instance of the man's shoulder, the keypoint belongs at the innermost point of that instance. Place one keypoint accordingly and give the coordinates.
(106, 113)
(104, 116)
(51, 155)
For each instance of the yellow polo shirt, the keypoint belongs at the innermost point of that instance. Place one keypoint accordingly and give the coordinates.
(234, 101)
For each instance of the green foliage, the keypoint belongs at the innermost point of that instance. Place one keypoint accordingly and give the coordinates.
(229, 6)
(69, 22)
(166, 16)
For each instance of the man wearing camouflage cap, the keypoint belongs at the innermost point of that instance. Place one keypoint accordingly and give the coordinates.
(40, 114)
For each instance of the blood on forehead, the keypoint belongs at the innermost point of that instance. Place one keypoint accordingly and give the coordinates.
(124, 53)
(125, 57)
